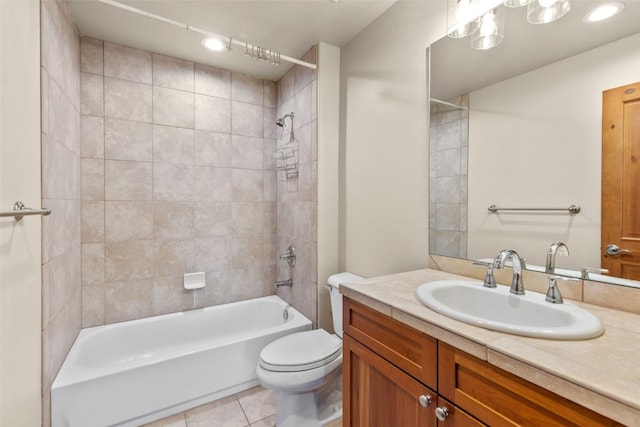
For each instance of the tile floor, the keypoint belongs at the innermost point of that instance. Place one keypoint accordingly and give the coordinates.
(252, 408)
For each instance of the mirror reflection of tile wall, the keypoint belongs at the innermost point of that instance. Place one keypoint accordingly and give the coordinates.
(448, 141)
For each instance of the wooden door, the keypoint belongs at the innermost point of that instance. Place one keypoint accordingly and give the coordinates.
(378, 394)
(621, 180)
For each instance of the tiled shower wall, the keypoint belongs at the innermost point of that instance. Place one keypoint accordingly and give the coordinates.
(177, 177)
(297, 198)
(60, 116)
(448, 142)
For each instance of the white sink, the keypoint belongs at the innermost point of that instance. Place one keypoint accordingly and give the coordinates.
(496, 308)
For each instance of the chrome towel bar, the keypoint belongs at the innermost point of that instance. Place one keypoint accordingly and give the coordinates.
(573, 209)
(20, 210)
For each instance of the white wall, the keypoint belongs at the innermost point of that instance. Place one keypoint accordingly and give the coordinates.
(535, 140)
(20, 242)
(328, 185)
(384, 140)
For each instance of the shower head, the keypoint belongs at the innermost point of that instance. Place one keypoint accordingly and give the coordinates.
(280, 121)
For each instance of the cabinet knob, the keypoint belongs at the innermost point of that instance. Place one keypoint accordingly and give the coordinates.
(442, 413)
(425, 400)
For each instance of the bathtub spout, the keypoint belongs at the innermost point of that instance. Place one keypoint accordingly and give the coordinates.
(284, 283)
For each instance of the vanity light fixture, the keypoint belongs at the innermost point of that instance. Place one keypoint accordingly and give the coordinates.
(213, 43)
(491, 31)
(483, 20)
(545, 11)
(603, 11)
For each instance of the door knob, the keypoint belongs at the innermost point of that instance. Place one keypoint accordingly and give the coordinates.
(442, 413)
(614, 250)
(425, 400)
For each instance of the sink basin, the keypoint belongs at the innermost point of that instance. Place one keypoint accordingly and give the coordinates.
(496, 308)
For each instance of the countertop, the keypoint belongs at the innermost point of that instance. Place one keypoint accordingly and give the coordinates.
(602, 374)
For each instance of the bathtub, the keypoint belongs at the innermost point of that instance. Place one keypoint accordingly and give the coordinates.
(134, 372)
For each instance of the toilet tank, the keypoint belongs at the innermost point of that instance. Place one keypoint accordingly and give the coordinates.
(334, 282)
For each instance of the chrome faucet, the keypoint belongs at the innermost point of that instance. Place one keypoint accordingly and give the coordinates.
(489, 281)
(289, 256)
(551, 256)
(288, 283)
(586, 270)
(517, 287)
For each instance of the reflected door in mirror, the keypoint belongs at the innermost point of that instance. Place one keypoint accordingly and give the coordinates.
(621, 181)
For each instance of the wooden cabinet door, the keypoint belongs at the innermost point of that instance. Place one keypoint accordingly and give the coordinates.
(378, 394)
(455, 417)
(499, 398)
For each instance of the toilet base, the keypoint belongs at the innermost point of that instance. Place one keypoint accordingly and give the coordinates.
(312, 409)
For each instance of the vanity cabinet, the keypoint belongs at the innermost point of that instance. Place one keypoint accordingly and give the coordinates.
(395, 375)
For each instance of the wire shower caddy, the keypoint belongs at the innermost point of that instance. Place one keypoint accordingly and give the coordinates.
(287, 152)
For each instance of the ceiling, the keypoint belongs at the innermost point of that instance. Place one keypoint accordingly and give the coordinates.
(458, 69)
(290, 27)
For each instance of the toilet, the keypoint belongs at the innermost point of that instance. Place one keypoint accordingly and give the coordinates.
(304, 369)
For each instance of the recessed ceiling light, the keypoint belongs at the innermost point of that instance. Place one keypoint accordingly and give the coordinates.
(213, 43)
(603, 11)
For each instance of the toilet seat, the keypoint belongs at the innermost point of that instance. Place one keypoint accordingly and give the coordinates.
(301, 351)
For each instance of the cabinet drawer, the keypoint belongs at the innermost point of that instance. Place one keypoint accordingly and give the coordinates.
(456, 416)
(497, 397)
(410, 350)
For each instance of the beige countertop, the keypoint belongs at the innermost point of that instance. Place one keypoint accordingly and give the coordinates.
(602, 374)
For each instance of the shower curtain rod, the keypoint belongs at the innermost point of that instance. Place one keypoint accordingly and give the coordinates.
(201, 31)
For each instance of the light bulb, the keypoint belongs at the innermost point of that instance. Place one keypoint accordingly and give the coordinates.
(603, 12)
(547, 3)
(213, 43)
(488, 25)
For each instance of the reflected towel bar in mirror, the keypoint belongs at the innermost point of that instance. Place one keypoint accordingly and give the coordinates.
(20, 210)
(573, 209)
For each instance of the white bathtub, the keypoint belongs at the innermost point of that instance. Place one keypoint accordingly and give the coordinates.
(130, 373)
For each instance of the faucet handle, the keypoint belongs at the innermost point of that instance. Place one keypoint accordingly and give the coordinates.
(553, 294)
(586, 270)
(489, 279)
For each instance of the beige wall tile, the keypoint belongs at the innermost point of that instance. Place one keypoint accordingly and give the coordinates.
(92, 137)
(247, 152)
(128, 260)
(173, 220)
(213, 254)
(92, 264)
(270, 224)
(212, 113)
(64, 226)
(92, 306)
(247, 217)
(92, 221)
(212, 219)
(270, 92)
(91, 55)
(173, 73)
(248, 119)
(128, 300)
(127, 100)
(172, 182)
(127, 63)
(173, 107)
(271, 130)
(126, 140)
(212, 184)
(285, 86)
(127, 180)
(212, 148)
(212, 81)
(616, 297)
(303, 106)
(270, 186)
(173, 145)
(246, 88)
(128, 220)
(172, 257)
(247, 251)
(170, 296)
(247, 185)
(91, 94)
(62, 169)
(64, 120)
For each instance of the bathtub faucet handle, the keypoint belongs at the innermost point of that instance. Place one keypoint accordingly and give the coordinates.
(289, 256)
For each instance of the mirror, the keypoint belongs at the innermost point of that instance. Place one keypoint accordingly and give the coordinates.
(521, 128)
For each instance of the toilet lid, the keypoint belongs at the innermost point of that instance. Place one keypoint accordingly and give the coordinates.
(301, 351)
